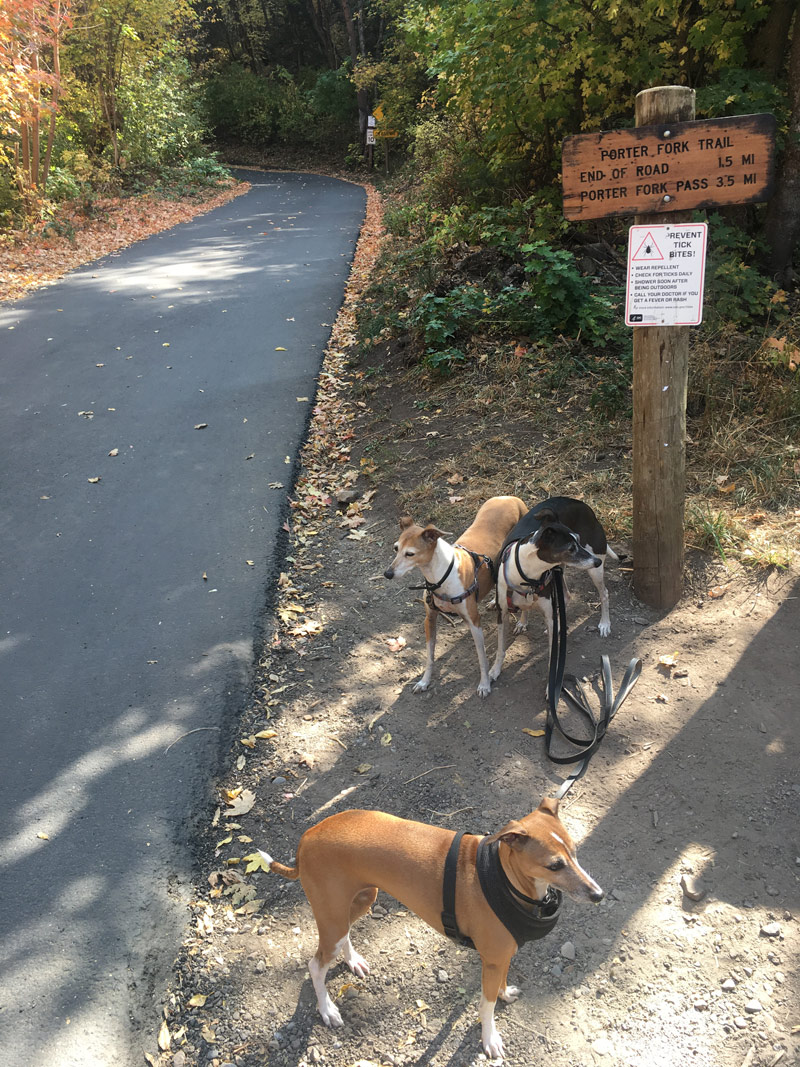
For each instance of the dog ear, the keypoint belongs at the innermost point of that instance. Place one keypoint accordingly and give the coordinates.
(513, 834)
(546, 515)
(405, 522)
(430, 533)
(549, 805)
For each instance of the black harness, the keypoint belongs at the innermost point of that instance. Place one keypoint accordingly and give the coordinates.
(430, 588)
(541, 586)
(525, 919)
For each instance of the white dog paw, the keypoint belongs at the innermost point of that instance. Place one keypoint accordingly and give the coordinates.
(484, 689)
(521, 628)
(358, 965)
(494, 673)
(604, 628)
(493, 1046)
(420, 686)
(509, 994)
(330, 1014)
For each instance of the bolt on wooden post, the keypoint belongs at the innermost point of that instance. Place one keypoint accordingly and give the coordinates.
(660, 376)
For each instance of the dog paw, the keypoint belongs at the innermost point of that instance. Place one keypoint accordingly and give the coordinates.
(484, 689)
(420, 686)
(509, 994)
(494, 673)
(521, 628)
(493, 1045)
(330, 1014)
(604, 628)
(358, 965)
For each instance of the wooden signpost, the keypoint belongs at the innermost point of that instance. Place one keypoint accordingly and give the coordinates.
(660, 171)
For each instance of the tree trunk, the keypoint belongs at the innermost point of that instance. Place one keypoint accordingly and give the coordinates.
(361, 94)
(782, 224)
(768, 48)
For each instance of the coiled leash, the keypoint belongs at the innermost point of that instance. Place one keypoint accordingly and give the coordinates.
(609, 704)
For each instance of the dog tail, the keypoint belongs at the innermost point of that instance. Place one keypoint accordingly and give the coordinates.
(292, 873)
(612, 554)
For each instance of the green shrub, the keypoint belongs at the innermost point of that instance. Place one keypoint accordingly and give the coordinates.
(736, 291)
(161, 115)
(256, 109)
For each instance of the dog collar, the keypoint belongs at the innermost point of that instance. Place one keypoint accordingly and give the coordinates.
(525, 919)
(535, 586)
(477, 561)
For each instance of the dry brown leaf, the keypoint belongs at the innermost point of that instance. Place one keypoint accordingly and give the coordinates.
(396, 644)
(533, 733)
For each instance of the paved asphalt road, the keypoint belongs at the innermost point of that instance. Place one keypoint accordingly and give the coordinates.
(112, 646)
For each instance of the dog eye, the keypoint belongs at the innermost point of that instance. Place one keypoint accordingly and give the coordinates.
(409, 553)
(396, 547)
(556, 865)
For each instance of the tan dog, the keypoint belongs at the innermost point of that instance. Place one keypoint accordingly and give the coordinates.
(344, 860)
(456, 576)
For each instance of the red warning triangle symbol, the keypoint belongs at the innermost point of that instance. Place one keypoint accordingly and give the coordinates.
(647, 250)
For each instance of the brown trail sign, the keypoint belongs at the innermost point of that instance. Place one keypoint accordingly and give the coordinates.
(668, 164)
(669, 167)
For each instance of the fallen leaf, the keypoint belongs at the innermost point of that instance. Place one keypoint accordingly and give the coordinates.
(94, 481)
(248, 742)
(250, 907)
(201, 426)
(386, 739)
(256, 861)
(164, 1038)
(198, 1000)
(668, 661)
(43, 836)
(243, 803)
(717, 591)
(396, 643)
(208, 1035)
(276, 485)
(533, 733)
(114, 452)
(280, 349)
(250, 562)
(362, 768)
(455, 479)
(241, 762)
(302, 399)
(266, 735)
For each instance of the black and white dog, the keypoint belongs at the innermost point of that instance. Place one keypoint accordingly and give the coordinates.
(559, 532)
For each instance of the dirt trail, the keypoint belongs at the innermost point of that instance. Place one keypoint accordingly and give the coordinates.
(696, 787)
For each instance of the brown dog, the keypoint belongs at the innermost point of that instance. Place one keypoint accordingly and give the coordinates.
(456, 576)
(344, 860)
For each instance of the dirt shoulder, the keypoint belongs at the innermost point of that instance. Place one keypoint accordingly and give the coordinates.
(696, 781)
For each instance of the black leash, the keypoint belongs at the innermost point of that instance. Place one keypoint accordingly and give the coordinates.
(609, 704)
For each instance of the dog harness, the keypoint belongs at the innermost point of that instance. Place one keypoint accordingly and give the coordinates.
(525, 919)
(535, 586)
(478, 561)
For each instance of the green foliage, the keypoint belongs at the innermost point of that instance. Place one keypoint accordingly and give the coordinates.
(161, 116)
(256, 109)
(520, 75)
(736, 291)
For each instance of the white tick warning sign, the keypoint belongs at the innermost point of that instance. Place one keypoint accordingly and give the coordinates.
(666, 272)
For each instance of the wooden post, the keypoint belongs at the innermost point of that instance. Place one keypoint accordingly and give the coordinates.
(660, 375)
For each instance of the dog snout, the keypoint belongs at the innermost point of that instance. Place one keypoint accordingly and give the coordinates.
(389, 572)
(596, 895)
(597, 562)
